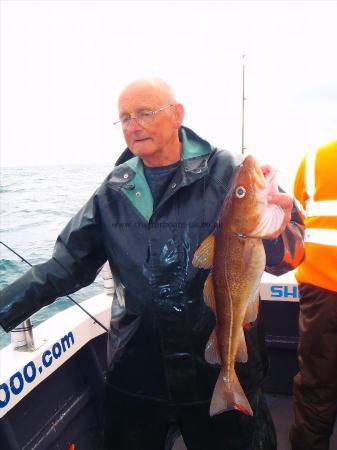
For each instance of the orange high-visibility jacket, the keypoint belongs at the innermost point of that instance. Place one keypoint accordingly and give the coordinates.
(315, 189)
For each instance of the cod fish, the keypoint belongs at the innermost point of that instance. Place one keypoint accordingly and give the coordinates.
(236, 257)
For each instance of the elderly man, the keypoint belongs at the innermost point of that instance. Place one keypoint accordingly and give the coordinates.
(147, 219)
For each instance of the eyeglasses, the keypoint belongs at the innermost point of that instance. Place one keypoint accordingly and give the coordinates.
(143, 118)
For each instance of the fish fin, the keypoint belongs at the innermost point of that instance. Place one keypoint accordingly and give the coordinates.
(229, 396)
(252, 310)
(242, 353)
(212, 349)
(209, 295)
(203, 256)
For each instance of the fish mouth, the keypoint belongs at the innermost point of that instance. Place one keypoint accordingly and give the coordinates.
(270, 177)
(258, 178)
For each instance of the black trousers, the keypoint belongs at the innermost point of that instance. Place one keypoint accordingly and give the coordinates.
(132, 423)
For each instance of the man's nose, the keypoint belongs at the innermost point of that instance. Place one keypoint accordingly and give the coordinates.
(133, 124)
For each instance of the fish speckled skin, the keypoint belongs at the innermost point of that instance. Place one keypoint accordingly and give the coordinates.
(236, 255)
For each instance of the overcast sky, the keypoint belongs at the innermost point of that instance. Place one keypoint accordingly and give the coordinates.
(63, 64)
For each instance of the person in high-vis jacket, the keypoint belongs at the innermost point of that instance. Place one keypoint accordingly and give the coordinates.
(315, 385)
(147, 219)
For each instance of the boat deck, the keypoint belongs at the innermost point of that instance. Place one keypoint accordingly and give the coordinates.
(282, 412)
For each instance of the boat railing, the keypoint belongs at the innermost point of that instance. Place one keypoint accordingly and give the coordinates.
(22, 337)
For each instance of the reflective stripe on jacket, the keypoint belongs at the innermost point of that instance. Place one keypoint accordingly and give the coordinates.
(315, 189)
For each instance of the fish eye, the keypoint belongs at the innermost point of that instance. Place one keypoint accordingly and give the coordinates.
(240, 192)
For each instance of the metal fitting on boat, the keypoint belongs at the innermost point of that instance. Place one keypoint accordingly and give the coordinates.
(22, 337)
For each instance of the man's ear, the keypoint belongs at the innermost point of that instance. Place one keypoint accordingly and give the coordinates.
(179, 113)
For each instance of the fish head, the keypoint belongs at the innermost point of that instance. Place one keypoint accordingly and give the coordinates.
(246, 208)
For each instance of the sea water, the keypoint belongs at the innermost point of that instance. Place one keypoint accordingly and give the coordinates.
(35, 205)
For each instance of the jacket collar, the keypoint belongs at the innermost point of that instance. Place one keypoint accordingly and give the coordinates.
(193, 146)
(130, 179)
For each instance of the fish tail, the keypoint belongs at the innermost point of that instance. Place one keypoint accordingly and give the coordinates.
(228, 396)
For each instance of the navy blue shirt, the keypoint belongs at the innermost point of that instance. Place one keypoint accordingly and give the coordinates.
(158, 179)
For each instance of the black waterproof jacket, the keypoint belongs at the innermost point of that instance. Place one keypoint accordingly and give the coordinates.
(151, 252)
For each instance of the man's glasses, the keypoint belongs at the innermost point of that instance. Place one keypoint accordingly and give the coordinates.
(143, 118)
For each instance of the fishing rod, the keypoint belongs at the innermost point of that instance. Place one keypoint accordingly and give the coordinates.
(68, 296)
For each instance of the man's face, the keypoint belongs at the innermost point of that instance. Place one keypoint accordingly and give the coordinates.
(152, 142)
